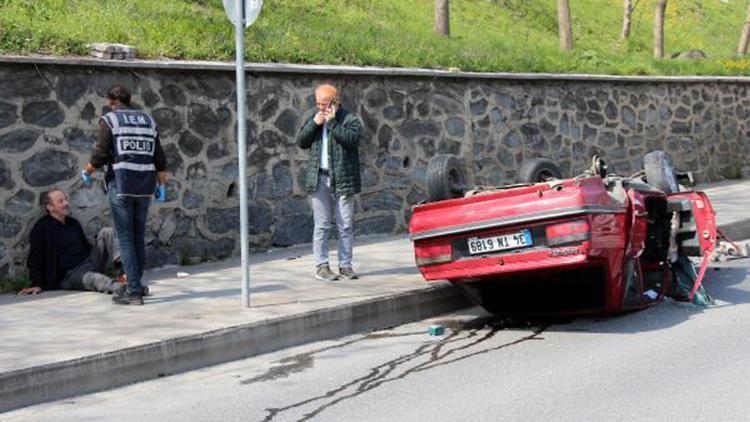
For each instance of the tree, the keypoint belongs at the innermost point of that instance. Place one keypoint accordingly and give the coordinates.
(742, 48)
(442, 18)
(661, 7)
(563, 20)
(626, 18)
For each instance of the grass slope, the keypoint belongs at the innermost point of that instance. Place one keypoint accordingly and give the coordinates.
(486, 35)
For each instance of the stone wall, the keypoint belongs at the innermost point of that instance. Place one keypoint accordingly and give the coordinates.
(49, 110)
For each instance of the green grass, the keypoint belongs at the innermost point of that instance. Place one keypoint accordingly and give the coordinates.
(12, 284)
(486, 35)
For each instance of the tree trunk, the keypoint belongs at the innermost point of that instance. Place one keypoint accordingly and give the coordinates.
(742, 49)
(661, 7)
(563, 20)
(628, 13)
(442, 18)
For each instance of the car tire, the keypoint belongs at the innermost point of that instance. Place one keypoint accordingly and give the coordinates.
(539, 170)
(659, 172)
(446, 178)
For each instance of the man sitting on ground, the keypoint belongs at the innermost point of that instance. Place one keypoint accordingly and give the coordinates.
(62, 258)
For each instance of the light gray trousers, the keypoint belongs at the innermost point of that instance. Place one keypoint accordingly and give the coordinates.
(88, 274)
(323, 205)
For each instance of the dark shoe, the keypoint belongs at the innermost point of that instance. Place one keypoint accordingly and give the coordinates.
(118, 289)
(323, 272)
(348, 273)
(127, 299)
(146, 291)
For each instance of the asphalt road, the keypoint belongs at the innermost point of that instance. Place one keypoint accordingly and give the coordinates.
(671, 362)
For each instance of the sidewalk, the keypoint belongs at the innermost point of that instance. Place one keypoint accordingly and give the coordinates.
(61, 344)
(731, 201)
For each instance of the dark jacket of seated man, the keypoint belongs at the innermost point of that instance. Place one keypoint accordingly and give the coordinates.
(61, 257)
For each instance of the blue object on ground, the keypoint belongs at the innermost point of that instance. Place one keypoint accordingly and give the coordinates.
(435, 330)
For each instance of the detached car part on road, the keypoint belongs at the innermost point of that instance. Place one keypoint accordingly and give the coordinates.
(595, 243)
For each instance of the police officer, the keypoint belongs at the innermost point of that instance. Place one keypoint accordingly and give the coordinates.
(128, 144)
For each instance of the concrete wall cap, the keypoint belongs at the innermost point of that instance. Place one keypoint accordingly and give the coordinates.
(358, 70)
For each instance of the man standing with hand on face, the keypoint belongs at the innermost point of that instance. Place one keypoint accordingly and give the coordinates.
(331, 134)
(129, 145)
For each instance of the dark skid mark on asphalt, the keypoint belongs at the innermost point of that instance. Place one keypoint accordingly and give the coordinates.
(298, 363)
(377, 376)
(289, 366)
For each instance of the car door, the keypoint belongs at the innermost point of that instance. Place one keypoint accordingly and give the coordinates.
(697, 234)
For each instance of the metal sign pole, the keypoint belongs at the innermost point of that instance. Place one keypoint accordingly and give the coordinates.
(239, 31)
(242, 13)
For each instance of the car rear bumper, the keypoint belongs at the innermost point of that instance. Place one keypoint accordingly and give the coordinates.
(532, 260)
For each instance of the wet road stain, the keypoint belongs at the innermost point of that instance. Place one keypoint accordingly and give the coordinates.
(298, 363)
(288, 367)
(448, 350)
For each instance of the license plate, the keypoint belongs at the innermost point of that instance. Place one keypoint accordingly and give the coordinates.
(480, 245)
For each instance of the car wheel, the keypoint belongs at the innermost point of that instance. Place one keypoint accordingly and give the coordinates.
(539, 170)
(659, 172)
(446, 178)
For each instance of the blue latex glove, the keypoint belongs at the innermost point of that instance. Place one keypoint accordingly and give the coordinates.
(86, 178)
(160, 195)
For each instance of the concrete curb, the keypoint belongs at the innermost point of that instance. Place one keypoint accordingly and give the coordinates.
(103, 371)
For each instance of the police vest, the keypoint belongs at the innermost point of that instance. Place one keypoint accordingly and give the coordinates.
(133, 148)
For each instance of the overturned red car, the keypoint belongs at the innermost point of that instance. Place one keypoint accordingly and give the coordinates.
(595, 243)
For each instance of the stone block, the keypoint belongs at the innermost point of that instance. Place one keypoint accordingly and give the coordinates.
(46, 114)
(217, 86)
(269, 108)
(90, 197)
(169, 121)
(49, 167)
(109, 51)
(190, 144)
(192, 200)
(172, 95)
(419, 128)
(293, 230)
(381, 201)
(10, 226)
(455, 126)
(372, 225)
(71, 87)
(6, 178)
(23, 83)
(278, 185)
(19, 140)
(8, 114)
(21, 203)
(79, 140)
(203, 120)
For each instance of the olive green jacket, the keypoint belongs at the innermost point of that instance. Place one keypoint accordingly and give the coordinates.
(343, 152)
